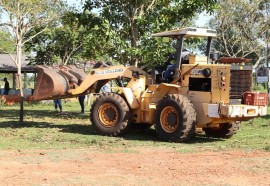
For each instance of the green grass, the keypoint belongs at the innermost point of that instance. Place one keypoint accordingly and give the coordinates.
(46, 129)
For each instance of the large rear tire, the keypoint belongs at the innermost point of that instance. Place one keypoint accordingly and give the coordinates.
(175, 118)
(226, 130)
(110, 114)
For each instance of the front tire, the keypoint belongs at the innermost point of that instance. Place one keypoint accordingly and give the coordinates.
(225, 130)
(175, 118)
(110, 114)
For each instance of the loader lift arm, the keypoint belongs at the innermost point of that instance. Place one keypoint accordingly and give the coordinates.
(63, 82)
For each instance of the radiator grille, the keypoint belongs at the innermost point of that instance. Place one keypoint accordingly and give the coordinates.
(241, 82)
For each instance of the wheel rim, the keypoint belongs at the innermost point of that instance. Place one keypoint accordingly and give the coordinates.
(169, 119)
(108, 114)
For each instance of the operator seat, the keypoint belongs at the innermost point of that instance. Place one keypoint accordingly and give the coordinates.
(168, 74)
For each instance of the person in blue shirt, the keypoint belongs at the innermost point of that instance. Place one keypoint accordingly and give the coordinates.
(170, 70)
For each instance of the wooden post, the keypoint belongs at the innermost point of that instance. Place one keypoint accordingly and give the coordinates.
(14, 81)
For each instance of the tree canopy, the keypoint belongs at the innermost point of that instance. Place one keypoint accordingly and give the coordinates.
(243, 28)
(59, 44)
(132, 22)
(76, 37)
(118, 31)
(7, 42)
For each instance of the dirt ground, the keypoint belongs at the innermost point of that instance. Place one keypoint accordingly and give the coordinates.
(137, 167)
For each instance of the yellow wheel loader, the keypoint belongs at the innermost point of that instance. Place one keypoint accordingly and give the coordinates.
(200, 92)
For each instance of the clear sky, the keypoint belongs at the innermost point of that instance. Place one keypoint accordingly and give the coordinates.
(203, 19)
(78, 3)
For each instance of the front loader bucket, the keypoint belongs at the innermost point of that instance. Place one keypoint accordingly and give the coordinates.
(55, 81)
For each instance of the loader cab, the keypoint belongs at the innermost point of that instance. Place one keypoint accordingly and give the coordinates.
(180, 58)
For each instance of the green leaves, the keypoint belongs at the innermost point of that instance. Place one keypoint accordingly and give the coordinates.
(118, 30)
(242, 29)
(132, 23)
(6, 42)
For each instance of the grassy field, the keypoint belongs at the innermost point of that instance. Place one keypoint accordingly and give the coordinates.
(45, 128)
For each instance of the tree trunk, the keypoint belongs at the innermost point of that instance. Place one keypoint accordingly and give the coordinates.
(134, 39)
(21, 110)
(19, 62)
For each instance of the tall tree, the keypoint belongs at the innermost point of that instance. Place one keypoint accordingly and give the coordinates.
(134, 20)
(59, 44)
(242, 29)
(19, 16)
(73, 38)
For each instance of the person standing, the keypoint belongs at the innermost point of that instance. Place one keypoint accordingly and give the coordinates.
(81, 100)
(58, 104)
(6, 87)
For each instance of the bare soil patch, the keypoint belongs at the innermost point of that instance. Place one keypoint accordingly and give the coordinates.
(137, 167)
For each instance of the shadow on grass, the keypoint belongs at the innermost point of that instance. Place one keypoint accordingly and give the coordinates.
(150, 135)
(134, 134)
(69, 128)
(141, 135)
(202, 138)
(14, 114)
(266, 116)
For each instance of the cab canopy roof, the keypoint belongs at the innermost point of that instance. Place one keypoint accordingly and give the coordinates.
(187, 32)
